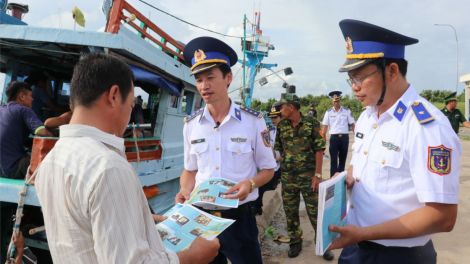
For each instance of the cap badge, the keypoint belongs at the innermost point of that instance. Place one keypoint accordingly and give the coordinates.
(199, 56)
(273, 109)
(349, 46)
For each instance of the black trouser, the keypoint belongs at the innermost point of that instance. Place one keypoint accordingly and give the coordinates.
(388, 255)
(267, 187)
(20, 172)
(338, 149)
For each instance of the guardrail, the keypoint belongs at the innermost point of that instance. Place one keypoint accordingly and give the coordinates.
(117, 15)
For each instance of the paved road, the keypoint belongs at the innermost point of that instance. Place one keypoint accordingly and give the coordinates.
(452, 248)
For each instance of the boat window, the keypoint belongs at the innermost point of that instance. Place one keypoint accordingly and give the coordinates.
(186, 105)
(198, 103)
(174, 101)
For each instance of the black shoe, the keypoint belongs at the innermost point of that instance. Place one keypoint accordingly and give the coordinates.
(258, 210)
(295, 250)
(328, 255)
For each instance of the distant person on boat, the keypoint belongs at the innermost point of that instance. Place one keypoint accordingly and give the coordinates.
(94, 208)
(23, 254)
(17, 122)
(275, 116)
(38, 81)
(228, 141)
(55, 122)
(137, 117)
(312, 112)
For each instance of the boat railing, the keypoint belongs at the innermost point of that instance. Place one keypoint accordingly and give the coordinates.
(167, 43)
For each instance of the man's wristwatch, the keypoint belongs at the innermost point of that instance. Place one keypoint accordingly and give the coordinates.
(252, 185)
(318, 175)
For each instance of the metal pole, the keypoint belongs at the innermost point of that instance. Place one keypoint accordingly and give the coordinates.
(244, 47)
(457, 42)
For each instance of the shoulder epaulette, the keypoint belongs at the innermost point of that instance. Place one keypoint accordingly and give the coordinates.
(346, 108)
(193, 115)
(251, 112)
(330, 109)
(272, 128)
(422, 114)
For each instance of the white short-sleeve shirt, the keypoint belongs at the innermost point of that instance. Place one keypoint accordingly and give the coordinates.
(337, 121)
(400, 164)
(232, 151)
(273, 131)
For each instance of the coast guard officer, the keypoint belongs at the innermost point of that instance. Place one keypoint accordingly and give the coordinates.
(225, 140)
(337, 120)
(405, 168)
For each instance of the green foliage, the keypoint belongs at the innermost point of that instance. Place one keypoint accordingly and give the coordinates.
(438, 96)
(270, 231)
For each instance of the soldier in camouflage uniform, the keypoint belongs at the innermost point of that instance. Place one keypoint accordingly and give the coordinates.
(301, 146)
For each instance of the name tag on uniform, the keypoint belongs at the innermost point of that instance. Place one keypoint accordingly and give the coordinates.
(359, 135)
(196, 141)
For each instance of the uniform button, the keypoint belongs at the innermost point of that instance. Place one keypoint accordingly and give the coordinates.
(218, 129)
(217, 148)
(239, 151)
(197, 151)
(352, 206)
(217, 168)
(375, 126)
(365, 152)
(383, 162)
(357, 179)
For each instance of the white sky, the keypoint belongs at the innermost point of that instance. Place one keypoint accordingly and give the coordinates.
(305, 33)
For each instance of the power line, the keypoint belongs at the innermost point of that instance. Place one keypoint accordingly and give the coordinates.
(187, 21)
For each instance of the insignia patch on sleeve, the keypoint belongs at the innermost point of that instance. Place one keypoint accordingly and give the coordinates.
(265, 137)
(439, 160)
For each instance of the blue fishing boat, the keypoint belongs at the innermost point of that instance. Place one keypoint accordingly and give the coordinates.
(160, 71)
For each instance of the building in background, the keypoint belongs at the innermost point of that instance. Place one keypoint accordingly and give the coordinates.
(466, 79)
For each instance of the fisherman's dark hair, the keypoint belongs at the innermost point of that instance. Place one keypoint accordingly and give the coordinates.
(402, 64)
(14, 89)
(294, 104)
(94, 75)
(35, 77)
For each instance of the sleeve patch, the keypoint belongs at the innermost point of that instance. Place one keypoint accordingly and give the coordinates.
(265, 137)
(439, 160)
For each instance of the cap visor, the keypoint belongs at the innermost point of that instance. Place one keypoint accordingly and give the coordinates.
(350, 65)
(204, 67)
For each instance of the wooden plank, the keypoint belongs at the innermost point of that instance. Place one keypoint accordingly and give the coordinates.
(145, 143)
(144, 155)
(152, 26)
(154, 40)
(114, 17)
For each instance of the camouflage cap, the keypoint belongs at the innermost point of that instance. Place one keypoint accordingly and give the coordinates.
(288, 99)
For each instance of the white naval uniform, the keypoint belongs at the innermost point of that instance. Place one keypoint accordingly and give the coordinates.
(337, 121)
(232, 151)
(390, 159)
(272, 132)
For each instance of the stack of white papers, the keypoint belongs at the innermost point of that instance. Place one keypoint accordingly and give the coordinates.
(332, 205)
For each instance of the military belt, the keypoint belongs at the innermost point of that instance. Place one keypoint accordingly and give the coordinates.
(339, 135)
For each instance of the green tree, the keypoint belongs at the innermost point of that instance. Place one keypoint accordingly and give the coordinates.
(426, 94)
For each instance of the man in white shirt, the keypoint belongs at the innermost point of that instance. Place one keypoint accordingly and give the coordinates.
(225, 140)
(94, 208)
(404, 173)
(337, 120)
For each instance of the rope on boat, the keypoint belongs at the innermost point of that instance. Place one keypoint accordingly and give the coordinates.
(136, 146)
(19, 213)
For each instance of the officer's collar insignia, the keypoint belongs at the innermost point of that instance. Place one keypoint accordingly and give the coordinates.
(251, 112)
(196, 141)
(359, 135)
(265, 137)
(349, 45)
(199, 56)
(390, 146)
(400, 111)
(421, 113)
(193, 115)
(238, 139)
(439, 160)
(238, 115)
